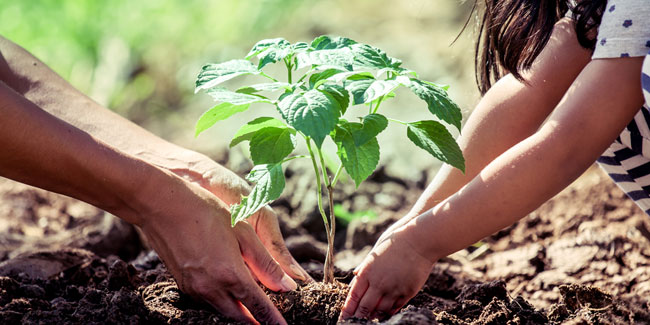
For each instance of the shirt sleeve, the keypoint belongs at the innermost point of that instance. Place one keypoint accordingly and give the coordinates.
(624, 30)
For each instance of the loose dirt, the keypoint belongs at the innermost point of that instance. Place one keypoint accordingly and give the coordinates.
(582, 258)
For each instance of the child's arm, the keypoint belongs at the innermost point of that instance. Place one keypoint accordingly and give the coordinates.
(594, 110)
(510, 112)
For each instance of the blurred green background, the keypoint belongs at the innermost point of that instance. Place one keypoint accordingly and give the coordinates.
(140, 58)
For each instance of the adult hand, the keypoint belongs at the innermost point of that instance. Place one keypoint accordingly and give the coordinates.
(228, 187)
(190, 229)
(388, 277)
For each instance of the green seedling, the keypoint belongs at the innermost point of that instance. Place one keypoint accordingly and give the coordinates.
(326, 79)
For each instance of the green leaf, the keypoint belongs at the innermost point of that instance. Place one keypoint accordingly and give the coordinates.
(270, 51)
(336, 58)
(359, 161)
(367, 90)
(325, 42)
(434, 138)
(313, 113)
(340, 94)
(366, 56)
(371, 126)
(437, 101)
(224, 95)
(270, 86)
(321, 77)
(270, 182)
(246, 132)
(270, 145)
(220, 112)
(214, 74)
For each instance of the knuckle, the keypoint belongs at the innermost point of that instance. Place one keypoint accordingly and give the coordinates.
(363, 311)
(271, 267)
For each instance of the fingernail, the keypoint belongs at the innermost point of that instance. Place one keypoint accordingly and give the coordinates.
(298, 272)
(287, 283)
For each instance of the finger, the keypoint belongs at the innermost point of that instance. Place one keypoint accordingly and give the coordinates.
(259, 304)
(368, 303)
(260, 262)
(358, 288)
(399, 303)
(232, 308)
(268, 231)
(384, 307)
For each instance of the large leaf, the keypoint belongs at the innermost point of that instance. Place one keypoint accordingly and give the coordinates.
(270, 182)
(435, 139)
(270, 51)
(227, 96)
(359, 161)
(270, 145)
(330, 43)
(366, 56)
(321, 77)
(437, 101)
(218, 113)
(247, 131)
(313, 113)
(270, 86)
(367, 90)
(213, 74)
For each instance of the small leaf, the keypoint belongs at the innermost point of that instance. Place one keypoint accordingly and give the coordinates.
(270, 51)
(359, 161)
(325, 42)
(271, 86)
(366, 56)
(246, 132)
(372, 125)
(367, 90)
(337, 58)
(313, 113)
(321, 77)
(434, 138)
(270, 182)
(224, 95)
(340, 94)
(437, 101)
(270, 145)
(214, 74)
(216, 114)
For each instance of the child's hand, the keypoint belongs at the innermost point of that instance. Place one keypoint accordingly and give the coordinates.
(388, 278)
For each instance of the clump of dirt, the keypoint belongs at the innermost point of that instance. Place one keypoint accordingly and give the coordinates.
(316, 302)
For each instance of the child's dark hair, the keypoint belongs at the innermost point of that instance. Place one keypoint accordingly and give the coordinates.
(512, 33)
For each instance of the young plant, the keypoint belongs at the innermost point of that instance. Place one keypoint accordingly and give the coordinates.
(337, 74)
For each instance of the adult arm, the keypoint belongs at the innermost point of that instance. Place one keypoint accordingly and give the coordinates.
(34, 80)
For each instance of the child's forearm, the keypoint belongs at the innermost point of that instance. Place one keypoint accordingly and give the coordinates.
(585, 123)
(510, 112)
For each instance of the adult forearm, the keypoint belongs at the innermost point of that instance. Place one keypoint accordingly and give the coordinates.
(41, 150)
(31, 78)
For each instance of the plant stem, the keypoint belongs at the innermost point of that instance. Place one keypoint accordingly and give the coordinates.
(294, 157)
(397, 121)
(328, 268)
(267, 76)
(336, 175)
(318, 185)
(381, 99)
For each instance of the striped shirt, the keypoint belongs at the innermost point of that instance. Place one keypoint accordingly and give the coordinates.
(625, 32)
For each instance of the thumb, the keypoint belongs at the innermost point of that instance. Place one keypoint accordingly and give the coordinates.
(260, 262)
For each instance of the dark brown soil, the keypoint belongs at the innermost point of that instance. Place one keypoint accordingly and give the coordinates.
(582, 258)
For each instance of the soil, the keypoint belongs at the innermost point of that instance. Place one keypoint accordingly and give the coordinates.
(582, 258)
